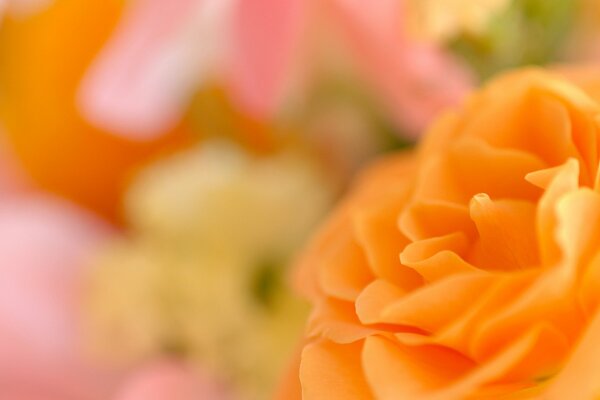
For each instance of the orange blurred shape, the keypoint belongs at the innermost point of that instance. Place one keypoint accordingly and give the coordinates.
(43, 59)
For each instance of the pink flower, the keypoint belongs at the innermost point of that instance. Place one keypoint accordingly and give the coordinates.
(43, 243)
(164, 49)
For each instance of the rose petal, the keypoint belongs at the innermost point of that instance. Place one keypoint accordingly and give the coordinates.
(433, 306)
(579, 378)
(432, 372)
(378, 234)
(344, 270)
(337, 321)
(507, 234)
(426, 219)
(331, 371)
(558, 180)
(438, 257)
(374, 299)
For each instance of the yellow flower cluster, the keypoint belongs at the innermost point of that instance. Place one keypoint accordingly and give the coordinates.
(203, 274)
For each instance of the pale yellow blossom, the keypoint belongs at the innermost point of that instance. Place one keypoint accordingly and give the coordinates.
(203, 273)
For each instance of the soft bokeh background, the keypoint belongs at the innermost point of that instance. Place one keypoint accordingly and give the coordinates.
(163, 161)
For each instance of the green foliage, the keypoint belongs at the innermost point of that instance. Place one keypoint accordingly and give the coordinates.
(529, 32)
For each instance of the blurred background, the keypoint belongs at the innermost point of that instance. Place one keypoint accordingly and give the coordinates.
(162, 162)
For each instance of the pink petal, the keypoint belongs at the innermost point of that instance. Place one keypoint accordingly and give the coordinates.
(170, 380)
(140, 83)
(266, 37)
(43, 244)
(417, 80)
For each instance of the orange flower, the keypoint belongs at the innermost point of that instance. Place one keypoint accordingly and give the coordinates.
(470, 269)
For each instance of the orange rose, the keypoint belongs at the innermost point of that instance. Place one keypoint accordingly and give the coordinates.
(470, 269)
